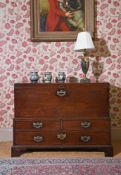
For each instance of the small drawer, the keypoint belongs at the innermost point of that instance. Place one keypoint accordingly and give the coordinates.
(36, 124)
(93, 124)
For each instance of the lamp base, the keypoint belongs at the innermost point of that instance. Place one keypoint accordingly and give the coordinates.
(86, 80)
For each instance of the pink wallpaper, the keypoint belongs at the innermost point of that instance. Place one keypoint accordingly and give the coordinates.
(19, 56)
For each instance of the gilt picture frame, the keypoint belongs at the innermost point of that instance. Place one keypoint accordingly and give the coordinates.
(39, 34)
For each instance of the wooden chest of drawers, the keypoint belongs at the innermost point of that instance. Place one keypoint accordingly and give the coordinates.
(69, 116)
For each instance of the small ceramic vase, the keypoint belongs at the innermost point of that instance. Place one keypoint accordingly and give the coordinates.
(61, 77)
(47, 77)
(34, 77)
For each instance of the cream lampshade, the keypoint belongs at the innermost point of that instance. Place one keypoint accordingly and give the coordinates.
(83, 44)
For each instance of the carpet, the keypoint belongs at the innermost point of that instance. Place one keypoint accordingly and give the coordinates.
(60, 166)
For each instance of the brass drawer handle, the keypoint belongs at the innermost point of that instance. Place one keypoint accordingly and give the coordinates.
(37, 125)
(85, 138)
(85, 124)
(61, 136)
(38, 139)
(61, 93)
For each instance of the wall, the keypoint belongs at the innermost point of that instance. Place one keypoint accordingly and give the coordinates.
(19, 56)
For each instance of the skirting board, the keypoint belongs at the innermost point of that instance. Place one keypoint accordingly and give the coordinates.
(6, 134)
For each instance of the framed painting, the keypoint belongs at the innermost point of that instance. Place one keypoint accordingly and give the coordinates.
(60, 20)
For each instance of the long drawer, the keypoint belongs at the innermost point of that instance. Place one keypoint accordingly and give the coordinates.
(52, 138)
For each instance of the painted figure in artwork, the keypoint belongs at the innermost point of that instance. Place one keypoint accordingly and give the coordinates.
(76, 8)
(61, 15)
(44, 8)
(56, 17)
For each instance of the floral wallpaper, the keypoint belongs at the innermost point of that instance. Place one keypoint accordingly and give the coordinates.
(19, 56)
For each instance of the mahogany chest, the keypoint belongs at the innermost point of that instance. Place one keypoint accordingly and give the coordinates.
(66, 117)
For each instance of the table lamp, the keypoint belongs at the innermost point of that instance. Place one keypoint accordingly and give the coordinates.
(84, 44)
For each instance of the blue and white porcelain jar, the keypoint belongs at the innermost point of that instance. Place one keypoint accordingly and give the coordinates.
(34, 77)
(47, 77)
(61, 77)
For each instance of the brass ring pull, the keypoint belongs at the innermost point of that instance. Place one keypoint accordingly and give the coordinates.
(61, 93)
(61, 136)
(85, 138)
(38, 139)
(85, 124)
(37, 125)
